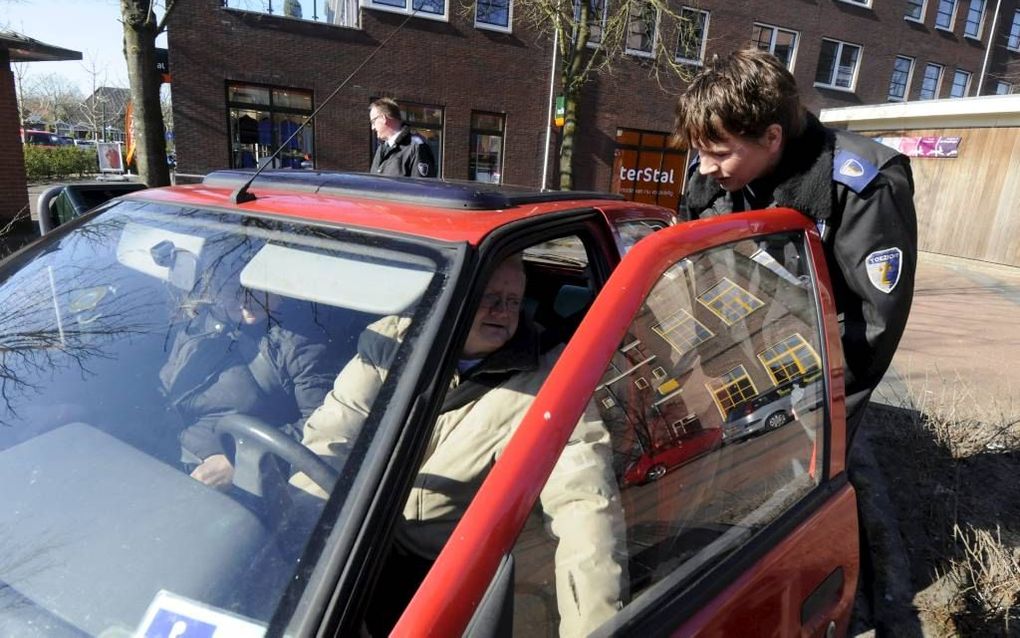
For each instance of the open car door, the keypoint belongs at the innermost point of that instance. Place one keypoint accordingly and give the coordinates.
(712, 359)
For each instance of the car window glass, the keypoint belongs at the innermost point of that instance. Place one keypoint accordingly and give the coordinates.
(714, 403)
(629, 232)
(144, 344)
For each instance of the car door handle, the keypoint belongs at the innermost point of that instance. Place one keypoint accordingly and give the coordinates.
(823, 598)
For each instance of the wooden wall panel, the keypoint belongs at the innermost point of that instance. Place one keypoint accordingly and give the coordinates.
(969, 206)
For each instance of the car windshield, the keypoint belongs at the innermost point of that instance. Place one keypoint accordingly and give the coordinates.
(157, 367)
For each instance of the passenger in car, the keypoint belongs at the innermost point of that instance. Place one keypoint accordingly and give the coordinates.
(500, 370)
(227, 357)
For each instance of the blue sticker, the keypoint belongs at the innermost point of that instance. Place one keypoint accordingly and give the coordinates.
(168, 624)
(884, 267)
(853, 170)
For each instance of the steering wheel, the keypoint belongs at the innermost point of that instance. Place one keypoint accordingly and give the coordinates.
(254, 439)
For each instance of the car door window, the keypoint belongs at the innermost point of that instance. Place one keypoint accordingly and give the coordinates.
(715, 406)
(629, 232)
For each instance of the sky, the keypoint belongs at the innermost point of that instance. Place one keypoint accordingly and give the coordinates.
(91, 27)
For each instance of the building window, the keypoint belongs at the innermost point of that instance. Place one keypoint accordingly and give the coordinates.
(1014, 33)
(494, 14)
(431, 9)
(915, 10)
(596, 19)
(931, 82)
(791, 358)
(682, 331)
(642, 28)
(732, 389)
(859, 3)
(262, 118)
(781, 43)
(485, 157)
(899, 83)
(729, 302)
(945, 15)
(344, 13)
(975, 19)
(837, 65)
(1002, 88)
(961, 84)
(690, 46)
(659, 373)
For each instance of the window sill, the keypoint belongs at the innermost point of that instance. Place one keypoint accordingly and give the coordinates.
(485, 26)
(861, 5)
(914, 20)
(976, 38)
(637, 53)
(247, 13)
(832, 87)
(689, 61)
(944, 29)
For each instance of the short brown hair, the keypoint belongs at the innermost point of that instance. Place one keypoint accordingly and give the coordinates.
(388, 107)
(741, 94)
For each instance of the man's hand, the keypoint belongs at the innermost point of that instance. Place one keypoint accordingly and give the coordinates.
(216, 471)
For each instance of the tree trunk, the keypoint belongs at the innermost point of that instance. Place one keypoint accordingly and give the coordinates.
(140, 30)
(567, 142)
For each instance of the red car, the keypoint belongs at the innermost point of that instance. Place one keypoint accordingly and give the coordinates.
(170, 322)
(663, 450)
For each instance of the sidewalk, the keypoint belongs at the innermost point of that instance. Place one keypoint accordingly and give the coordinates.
(960, 343)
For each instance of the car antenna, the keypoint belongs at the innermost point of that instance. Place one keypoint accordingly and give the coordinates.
(242, 194)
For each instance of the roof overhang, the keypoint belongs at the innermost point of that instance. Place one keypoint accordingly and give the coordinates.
(25, 49)
(987, 111)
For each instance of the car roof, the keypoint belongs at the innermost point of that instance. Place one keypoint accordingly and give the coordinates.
(437, 209)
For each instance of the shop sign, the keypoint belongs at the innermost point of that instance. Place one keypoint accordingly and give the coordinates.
(928, 146)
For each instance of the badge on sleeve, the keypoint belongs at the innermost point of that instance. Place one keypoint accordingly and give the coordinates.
(423, 169)
(884, 268)
(853, 170)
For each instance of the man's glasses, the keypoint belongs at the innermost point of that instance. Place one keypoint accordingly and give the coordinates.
(493, 300)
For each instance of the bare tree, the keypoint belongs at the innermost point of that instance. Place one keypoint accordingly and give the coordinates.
(51, 96)
(94, 111)
(592, 38)
(141, 27)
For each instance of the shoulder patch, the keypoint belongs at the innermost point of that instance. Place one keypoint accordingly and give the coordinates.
(424, 169)
(852, 170)
(884, 268)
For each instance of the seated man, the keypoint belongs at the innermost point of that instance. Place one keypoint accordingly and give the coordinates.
(500, 370)
(226, 358)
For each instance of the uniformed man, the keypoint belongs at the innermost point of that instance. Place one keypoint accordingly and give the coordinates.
(401, 153)
(758, 147)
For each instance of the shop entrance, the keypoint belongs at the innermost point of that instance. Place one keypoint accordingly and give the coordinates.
(646, 169)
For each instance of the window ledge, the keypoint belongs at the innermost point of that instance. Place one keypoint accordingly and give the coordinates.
(493, 27)
(862, 5)
(831, 87)
(944, 29)
(637, 53)
(367, 4)
(914, 20)
(976, 38)
(689, 61)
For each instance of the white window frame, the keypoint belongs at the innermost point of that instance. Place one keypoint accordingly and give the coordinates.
(772, 41)
(655, 33)
(981, 20)
(910, 79)
(920, 20)
(938, 82)
(966, 85)
(1002, 84)
(952, 17)
(490, 26)
(602, 26)
(831, 85)
(1013, 39)
(408, 9)
(704, 37)
(858, 3)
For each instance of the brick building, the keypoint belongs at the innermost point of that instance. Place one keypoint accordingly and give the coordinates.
(478, 86)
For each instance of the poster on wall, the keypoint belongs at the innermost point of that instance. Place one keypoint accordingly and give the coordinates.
(927, 146)
(110, 158)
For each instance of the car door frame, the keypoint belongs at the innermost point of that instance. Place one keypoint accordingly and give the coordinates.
(453, 588)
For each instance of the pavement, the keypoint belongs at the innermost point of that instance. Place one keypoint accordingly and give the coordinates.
(960, 341)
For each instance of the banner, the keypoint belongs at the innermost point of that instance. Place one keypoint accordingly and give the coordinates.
(930, 146)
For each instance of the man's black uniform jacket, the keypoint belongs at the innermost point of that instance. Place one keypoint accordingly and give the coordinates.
(408, 156)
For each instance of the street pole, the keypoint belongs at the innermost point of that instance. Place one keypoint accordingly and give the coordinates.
(988, 49)
(549, 115)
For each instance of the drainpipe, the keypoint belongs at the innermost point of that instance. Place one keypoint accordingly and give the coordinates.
(988, 48)
(549, 116)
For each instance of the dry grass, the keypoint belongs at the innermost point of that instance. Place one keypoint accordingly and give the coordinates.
(952, 460)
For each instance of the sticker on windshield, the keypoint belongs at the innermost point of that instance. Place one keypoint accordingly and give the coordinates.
(173, 616)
